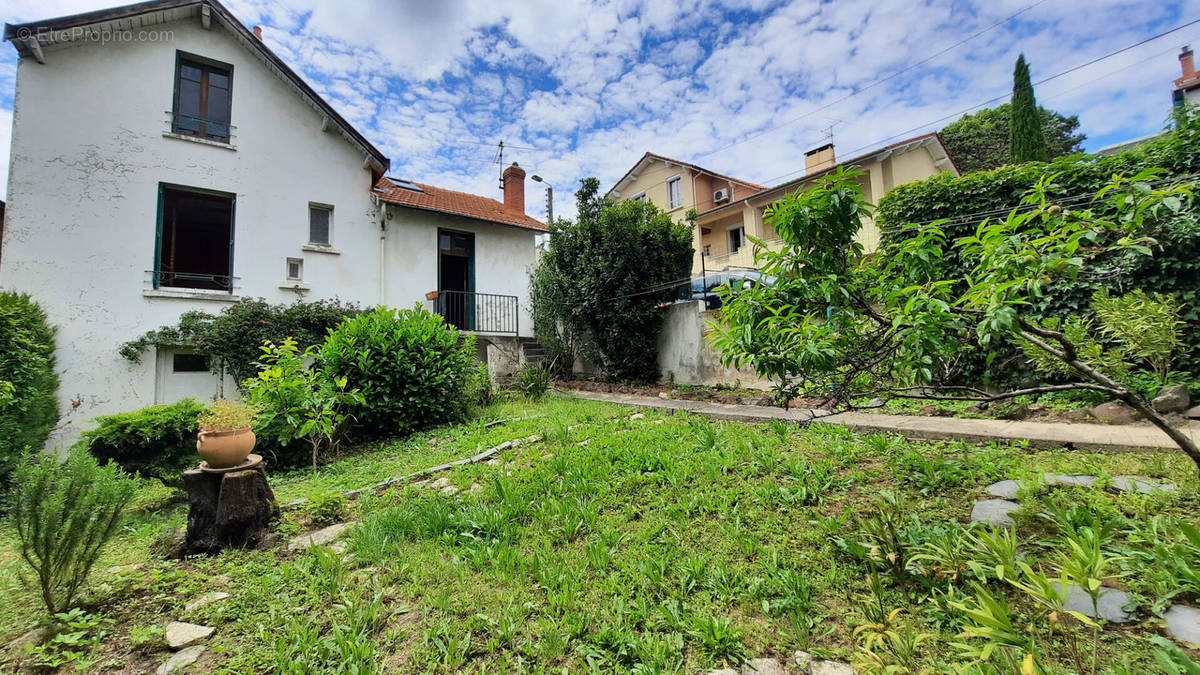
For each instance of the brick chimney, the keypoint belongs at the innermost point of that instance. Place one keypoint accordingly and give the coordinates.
(819, 159)
(1187, 62)
(514, 189)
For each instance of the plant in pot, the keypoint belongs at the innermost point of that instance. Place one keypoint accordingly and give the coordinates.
(225, 437)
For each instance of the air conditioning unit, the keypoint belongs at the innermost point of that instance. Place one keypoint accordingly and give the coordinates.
(721, 195)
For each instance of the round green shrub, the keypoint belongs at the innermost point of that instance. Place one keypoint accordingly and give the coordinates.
(155, 442)
(29, 404)
(413, 370)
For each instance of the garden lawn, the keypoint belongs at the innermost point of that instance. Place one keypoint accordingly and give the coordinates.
(642, 541)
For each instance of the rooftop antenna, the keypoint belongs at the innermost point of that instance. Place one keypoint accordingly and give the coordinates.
(500, 160)
(827, 132)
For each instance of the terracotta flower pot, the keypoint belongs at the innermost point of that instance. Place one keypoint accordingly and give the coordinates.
(225, 448)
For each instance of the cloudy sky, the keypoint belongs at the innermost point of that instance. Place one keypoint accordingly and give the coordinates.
(739, 86)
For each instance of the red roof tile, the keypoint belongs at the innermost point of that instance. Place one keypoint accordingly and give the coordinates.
(441, 200)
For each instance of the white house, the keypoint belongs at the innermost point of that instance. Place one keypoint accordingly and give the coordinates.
(165, 160)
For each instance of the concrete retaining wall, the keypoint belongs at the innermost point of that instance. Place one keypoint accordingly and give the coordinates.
(684, 356)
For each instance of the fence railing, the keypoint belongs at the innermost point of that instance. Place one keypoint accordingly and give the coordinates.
(478, 312)
(172, 279)
(743, 258)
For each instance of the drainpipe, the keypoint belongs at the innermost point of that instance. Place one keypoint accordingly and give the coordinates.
(382, 250)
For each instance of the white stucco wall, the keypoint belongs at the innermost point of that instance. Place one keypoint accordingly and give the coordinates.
(88, 154)
(685, 357)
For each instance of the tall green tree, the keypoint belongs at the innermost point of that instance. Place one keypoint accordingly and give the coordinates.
(1028, 143)
(597, 291)
(980, 141)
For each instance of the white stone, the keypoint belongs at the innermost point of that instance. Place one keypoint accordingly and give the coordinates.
(1142, 485)
(180, 635)
(449, 490)
(637, 416)
(762, 667)
(724, 671)
(206, 599)
(493, 462)
(994, 512)
(1006, 489)
(831, 668)
(318, 538)
(803, 660)
(440, 483)
(1110, 604)
(1068, 479)
(338, 547)
(475, 489)
(180, 660)
(1183, 623)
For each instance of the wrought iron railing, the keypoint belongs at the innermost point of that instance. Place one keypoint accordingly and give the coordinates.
(171, 279)
(190, 125)
(478, 312)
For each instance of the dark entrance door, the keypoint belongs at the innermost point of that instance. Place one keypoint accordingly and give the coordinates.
(456, 278)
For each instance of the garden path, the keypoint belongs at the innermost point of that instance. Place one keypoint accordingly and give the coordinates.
(1039, 434)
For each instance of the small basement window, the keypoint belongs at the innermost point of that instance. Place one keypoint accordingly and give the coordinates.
(320, 222)
(195, 239)
(189, 363)
(295, 269)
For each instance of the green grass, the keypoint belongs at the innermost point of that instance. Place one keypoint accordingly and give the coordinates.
(663, 544)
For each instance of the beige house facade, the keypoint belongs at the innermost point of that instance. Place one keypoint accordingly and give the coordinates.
(730, 210)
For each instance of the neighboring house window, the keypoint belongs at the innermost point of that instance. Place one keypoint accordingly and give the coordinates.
(320, 222)
(195, 239)
(295, 269)
(737, 238)
(202, 99)
(639, 197)
(707, 249)
(189, 363)
(675, 192)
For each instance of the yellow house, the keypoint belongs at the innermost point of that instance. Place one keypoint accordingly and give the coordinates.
(731, 209)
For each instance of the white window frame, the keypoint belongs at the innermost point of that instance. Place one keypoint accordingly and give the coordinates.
(323, 207)
(639, 197)
(675, 201)
(287, 269)
(741, 239)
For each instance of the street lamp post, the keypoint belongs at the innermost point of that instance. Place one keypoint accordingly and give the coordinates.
(549, 199)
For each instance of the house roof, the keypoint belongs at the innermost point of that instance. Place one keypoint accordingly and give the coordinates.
(29, 38)
(651, 157)
(440, 200)
(932, 136)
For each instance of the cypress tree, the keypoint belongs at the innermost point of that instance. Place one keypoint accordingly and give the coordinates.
(1027, 143)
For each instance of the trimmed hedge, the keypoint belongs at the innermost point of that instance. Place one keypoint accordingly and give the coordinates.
(155, 442)
(1174, 269)
(413, 370)
(29, 400)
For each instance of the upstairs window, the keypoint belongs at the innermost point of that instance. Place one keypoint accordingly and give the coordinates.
(675, 192)
(195, 239)
(639, 197)
(737, 238)
(320, 222)
(202, 99)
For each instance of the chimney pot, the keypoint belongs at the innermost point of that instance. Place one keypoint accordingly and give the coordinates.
(1187, 62)
(258, 32)
(819, 159)
(514, 189)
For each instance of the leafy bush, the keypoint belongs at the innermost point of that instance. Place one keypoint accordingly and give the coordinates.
(64, 514)
(412, 370)
(326, 508)
(155, 442)
(1173, 269)
(28, 383)
(298, 402)
(231, 339)
(597, 291)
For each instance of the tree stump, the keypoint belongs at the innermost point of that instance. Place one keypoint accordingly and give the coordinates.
(228, 510)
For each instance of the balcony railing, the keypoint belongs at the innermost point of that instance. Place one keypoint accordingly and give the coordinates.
(743, 258)
(478, 312)
(172, 279)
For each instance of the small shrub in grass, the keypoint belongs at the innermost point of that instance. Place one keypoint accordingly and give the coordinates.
(412, 369)
(28, 383)
(327, 508)
(155, 442)
(64, 514)
(533, 381)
